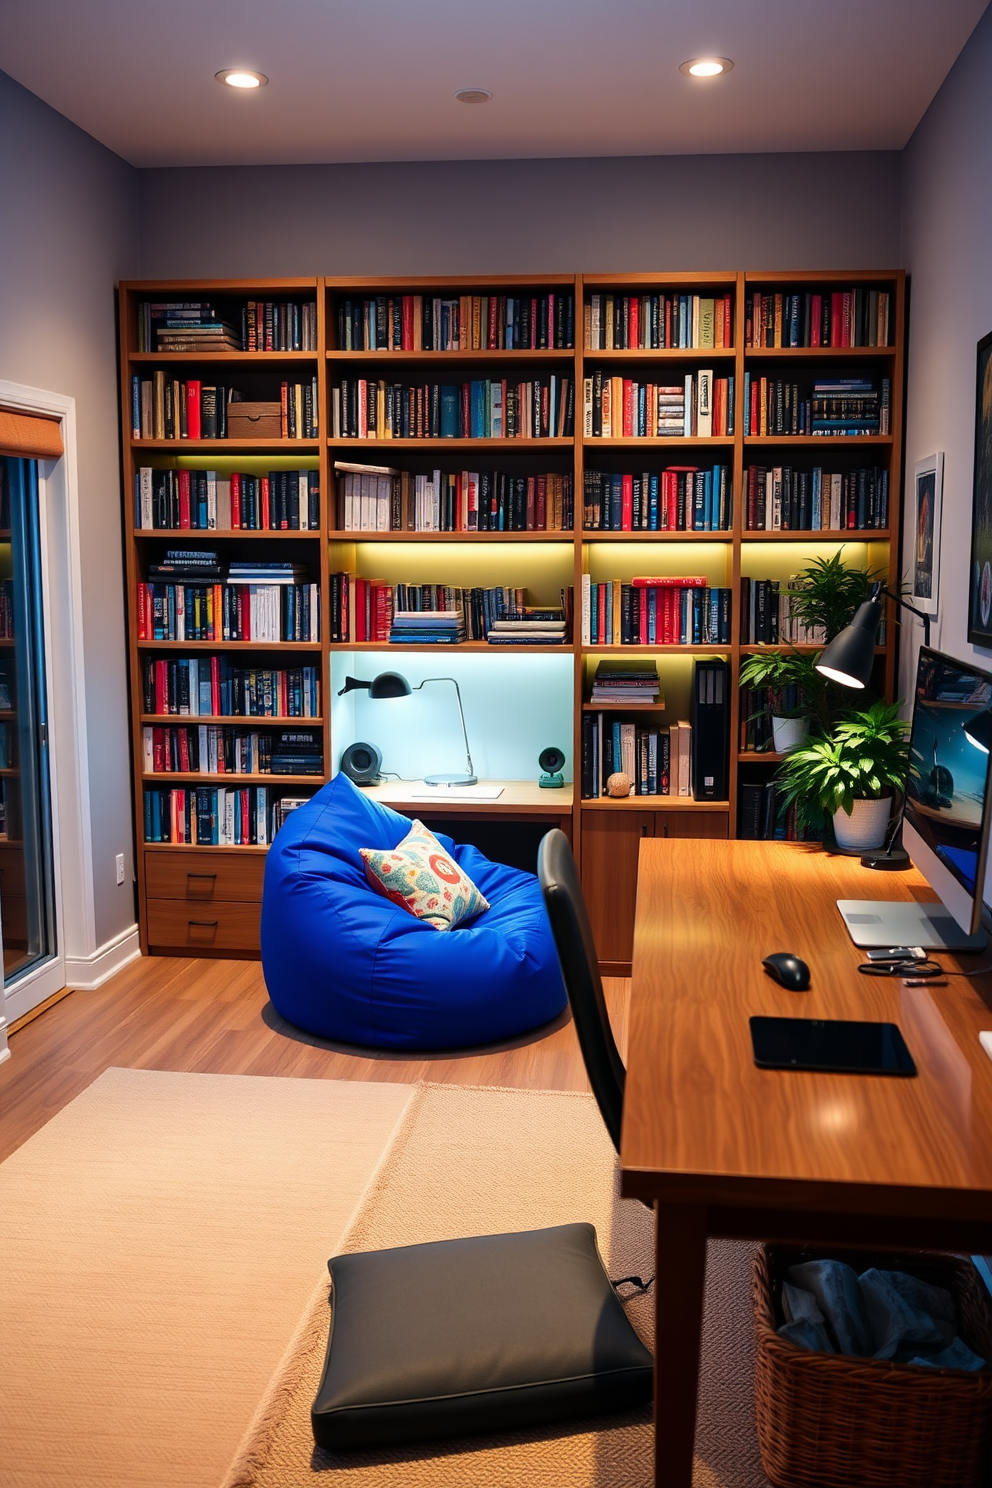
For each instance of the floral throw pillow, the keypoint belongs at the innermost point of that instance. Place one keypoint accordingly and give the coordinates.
(419, 876)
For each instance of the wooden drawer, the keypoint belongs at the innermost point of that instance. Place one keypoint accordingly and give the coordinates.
(175, 925)
(201, 877)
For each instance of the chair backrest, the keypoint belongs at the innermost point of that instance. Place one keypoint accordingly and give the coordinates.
(580, 969)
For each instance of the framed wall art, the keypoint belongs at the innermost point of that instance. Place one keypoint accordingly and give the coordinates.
(980, 587)
(926, 510)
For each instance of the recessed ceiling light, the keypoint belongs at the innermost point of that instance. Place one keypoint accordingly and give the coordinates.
(706, 67)
(473, 95)
(241, 77)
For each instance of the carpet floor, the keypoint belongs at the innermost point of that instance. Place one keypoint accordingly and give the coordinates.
(471, 1161)
(159, 1239)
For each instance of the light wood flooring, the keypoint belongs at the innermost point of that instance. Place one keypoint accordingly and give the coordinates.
(214, 1016)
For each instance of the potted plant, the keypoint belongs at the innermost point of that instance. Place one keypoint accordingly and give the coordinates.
(782, 672)
(850, 776)
(826, 593)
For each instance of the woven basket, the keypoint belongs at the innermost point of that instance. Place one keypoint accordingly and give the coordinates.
(830, 1421)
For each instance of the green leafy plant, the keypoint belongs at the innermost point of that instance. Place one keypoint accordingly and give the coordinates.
(826, 593)
(779, 670)
(865, 757)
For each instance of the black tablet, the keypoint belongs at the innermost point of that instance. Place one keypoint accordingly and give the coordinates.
(820, 1044)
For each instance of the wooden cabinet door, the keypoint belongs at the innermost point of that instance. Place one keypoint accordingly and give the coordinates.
(691, 824)
(610, 843)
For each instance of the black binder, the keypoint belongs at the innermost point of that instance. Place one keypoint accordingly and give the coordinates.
(710, 730)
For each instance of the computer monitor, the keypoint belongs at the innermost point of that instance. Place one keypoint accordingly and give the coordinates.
(948, 812)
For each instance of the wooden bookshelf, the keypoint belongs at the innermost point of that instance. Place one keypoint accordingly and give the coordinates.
(605, 832)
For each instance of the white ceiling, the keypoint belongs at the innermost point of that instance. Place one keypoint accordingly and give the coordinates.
(355, 80)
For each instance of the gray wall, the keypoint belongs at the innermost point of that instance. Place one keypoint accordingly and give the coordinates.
(68, 231)
(947, 248)
(524, 216)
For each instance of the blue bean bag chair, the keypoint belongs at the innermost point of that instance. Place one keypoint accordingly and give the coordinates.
(344, 962)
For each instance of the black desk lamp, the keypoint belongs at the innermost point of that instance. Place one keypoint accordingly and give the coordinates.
(848, 660)
(395, 685)
(849, 657)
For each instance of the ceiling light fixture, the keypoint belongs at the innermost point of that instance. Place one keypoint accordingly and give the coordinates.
(473, 95)
(241, 77)
(706, 67)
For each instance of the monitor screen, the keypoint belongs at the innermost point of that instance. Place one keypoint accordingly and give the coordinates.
(947, 790)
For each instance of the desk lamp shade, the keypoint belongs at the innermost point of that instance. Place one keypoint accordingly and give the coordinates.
(849, 657)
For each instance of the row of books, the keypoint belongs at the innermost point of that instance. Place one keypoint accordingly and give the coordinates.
(7, 610)
(204, 500)
(657, 759)
(835, 406)
(210, 815)
(538, 408)
(766, 616)
(537, 322)
(655, 322)
(441, 614)
(214, 687)
(699, 406)
(680, 498)
(762, 818)
(618, 681)
(211, 749)
(655, 611)
(279, 325)
(846, 317)
(779, 498)
(379, 498)
(164, 407)
(263, 612)
(259, 325)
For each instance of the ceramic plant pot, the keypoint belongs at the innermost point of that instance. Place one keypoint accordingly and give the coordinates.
(866, 825)
(789, 734)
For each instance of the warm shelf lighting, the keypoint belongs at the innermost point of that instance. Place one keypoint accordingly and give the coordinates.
(241, 77)
(706, 67)
(473, 95)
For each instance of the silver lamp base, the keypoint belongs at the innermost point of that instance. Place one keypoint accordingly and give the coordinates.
(452, 780)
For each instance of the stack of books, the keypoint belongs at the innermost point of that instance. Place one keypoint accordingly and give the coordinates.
(195, 565)
(427, 627)
(529, 626)
(618, 681)
(297, 752)
(850, 405)
(188, 325)
(241, 571)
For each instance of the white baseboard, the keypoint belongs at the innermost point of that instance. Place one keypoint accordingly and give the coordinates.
(86, 973)
(4, 1051)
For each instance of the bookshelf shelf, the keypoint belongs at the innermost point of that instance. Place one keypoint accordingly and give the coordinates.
(437, 446)
(232, 447)
(237, 720)
(605, 832)
(829, 535)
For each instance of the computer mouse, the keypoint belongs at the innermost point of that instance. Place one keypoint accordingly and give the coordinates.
(788, 969)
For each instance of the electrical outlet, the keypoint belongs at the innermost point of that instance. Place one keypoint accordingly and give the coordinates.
(120, 868)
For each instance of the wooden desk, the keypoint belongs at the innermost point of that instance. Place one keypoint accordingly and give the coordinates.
(725, 1149)
(523, 798)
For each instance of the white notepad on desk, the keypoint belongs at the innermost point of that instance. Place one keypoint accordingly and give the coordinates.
(456, 793)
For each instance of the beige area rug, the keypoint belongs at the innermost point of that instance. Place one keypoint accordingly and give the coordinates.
(159, 1239)
(465, 1162)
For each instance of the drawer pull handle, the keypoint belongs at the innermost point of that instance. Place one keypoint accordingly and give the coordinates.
(202, 924)
(201, 875)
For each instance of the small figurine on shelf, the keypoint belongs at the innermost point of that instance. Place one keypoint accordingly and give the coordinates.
(619, 784)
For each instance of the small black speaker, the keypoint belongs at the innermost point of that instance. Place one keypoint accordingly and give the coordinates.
(361, 762)
(551, 761)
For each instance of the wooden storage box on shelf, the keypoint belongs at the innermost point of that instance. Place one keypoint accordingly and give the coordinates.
(254, 421)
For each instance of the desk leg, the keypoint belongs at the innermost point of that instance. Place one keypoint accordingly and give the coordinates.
(680, 1274)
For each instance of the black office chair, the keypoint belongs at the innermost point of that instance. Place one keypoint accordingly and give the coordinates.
(570, 927)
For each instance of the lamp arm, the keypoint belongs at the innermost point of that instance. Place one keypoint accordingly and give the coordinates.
(911, 608)
(461, 712)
